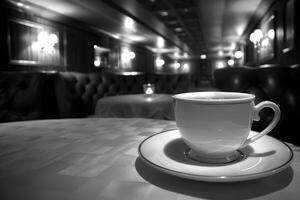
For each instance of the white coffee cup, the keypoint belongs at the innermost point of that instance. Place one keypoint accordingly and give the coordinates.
(215, 125)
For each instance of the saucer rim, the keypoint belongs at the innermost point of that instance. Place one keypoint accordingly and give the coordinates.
(232, 178)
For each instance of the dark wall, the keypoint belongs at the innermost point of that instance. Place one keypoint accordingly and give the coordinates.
(11, 34)
(76, 45)
(278, 8)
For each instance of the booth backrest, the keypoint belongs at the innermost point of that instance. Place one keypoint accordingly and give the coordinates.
(170, 84)
(77, 93)
(278, 84)
(33, 95)
(21, 96)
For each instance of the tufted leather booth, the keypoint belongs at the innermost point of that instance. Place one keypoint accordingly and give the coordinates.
(170, 84)
(279, 84)
(77, 93)
(21, 95)
(33, 95)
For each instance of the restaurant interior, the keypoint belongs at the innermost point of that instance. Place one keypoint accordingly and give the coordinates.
(71, 67)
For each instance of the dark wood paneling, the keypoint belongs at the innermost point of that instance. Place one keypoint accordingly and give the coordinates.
(22, 37)
(76, 50)
(80, 51)
(281, 58)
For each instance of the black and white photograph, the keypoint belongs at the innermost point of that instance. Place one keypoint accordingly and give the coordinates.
(149, 99)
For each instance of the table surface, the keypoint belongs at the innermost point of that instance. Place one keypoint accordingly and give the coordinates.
(158, 106)
(97, 158)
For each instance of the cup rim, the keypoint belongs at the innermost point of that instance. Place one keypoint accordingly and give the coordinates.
(190, 97)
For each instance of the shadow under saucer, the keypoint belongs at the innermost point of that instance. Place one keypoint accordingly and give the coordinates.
(214, 190)
(178, 150)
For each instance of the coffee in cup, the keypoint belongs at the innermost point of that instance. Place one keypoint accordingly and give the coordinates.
(215, 125)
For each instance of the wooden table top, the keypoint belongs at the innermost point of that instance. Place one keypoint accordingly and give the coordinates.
(97, 158)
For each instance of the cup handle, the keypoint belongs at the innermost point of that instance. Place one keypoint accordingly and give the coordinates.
(256, 117)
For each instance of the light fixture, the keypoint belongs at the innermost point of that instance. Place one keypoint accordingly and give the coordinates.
(220, 53)
(164, 13)
(261, 40)
(127, 55)
(203, 56)
(160, 42)
(230, 62)
(45, 42)
(159, 62)
(238, 54)
(20, 4)
(97, 61)
(256, 37)
(271, 34)
(177, 65)
(178, 29)
(176, 54)
(220, 64)
(185, 67)
(265, 42)
(128, 23)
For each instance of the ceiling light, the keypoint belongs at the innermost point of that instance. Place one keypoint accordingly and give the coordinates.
(128, 23)
(176, 65)
(186, 67)
(220, 53)
(203, 56)
(178, 29)
(159, 62)
(20, 4)
(160, 42)
(230, 62)
(164, 13)
(238, 54)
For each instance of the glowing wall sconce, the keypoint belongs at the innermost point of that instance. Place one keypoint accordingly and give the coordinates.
(220, 53)
(256, 37)
(238, 54)
(159, 62)
(45, 42)
(259, 39)
(230, 62)
(127, 56)
(262, 41)
(185, 67)
(176, 65)
(97, 61)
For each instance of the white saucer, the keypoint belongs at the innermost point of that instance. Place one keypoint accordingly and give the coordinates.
(165, 151)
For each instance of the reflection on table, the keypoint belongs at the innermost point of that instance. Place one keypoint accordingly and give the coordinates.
(157, 106)
(97, 158)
